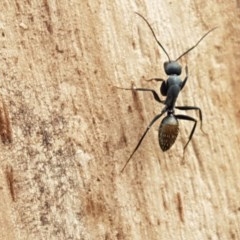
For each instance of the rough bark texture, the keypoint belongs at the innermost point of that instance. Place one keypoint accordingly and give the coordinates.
(72, 131)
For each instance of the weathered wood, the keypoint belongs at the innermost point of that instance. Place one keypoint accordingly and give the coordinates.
(72, 130)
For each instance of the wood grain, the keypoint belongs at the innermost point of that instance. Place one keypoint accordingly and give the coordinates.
(73, 130)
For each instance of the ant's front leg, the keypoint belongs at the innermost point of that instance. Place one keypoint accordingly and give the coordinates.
(155, 79)
(155, 95)
(185, 79)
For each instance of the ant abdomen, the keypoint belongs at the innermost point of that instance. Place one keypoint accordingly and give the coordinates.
(168, 132)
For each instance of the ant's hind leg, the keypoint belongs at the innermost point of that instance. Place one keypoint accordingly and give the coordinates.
(144, 134)
(187, 118)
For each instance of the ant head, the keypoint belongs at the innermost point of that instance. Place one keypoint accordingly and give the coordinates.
(172, 67)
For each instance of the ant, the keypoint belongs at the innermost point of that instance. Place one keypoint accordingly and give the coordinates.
(169, 126)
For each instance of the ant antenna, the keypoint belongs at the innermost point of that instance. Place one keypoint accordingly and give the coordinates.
(154, 35)
(190, 49)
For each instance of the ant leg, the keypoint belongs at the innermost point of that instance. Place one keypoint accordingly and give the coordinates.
(144, 134)
(155, 79)
(155, 95)
(193, 108)
(188, 118)
(186, 78)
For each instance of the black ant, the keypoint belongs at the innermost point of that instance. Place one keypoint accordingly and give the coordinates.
(169, 127)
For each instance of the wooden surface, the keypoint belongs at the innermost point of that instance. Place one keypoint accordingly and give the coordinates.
(72, 130)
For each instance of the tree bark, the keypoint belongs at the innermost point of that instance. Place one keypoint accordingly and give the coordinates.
(67, 131)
